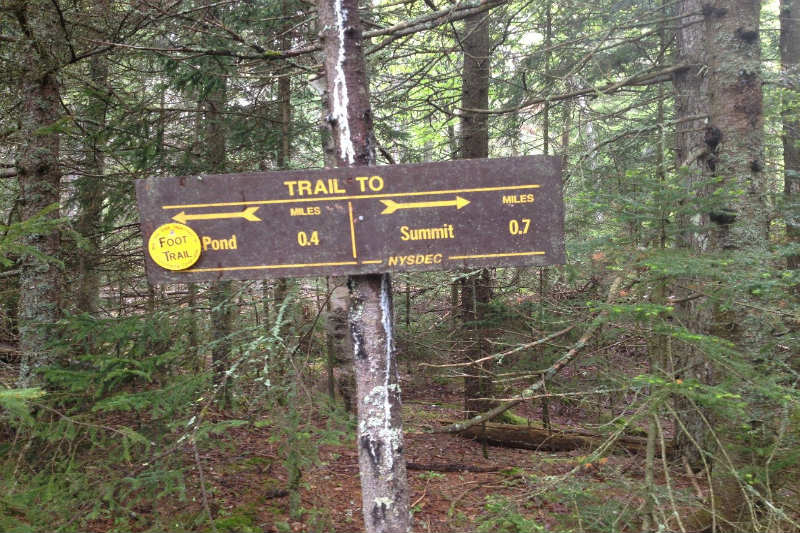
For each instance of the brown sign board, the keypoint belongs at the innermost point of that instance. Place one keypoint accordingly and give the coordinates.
(430, 216)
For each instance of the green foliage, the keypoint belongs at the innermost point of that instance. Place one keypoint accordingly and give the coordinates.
(592, 508)
(108, 359)
(430, 475)
(504, 516)
(16, 401)
(240, 519)
(14, 236)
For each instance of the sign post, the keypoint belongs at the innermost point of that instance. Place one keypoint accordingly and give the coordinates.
(356, 220)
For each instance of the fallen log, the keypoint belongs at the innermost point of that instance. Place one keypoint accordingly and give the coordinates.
(556, 440)
(6, 348)
(450, 467)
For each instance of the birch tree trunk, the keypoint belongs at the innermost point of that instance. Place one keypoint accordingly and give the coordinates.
(384, 487)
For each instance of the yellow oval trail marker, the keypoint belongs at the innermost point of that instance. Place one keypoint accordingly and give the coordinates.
(174, 246)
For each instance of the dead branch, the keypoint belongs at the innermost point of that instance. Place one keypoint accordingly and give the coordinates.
(547, 374)
(199, 466)
(697, 154)
(508, 352)
(8, 172)
(430, 21)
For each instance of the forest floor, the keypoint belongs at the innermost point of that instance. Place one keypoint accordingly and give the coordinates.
(244, 474)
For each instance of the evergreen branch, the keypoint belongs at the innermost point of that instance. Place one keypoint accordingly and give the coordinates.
(642, 78)
(424, 22)
(72, 420)
(637, 131)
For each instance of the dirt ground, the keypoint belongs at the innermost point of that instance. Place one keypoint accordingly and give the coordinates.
(517, 490)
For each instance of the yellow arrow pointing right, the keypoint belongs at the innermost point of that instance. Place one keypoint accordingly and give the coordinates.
(392, 206)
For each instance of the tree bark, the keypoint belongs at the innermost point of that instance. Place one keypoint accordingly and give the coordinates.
(90, 199)
(220, 293)
(39, 177)
(736, 123)
(790, 66)
(476, 291)
(382, 466)
(691, 100)
(691, 157)
(282, 287)
(91, 185)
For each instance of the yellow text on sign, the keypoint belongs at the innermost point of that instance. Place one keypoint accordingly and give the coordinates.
(174, 246)
(308, 239)
(220, 244)
(519, 227)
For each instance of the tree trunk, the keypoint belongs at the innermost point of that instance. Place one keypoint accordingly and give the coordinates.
(790, 65)
(220, 293)
(384, 487)
(476, 47)
(691, 157)
(736, 123)
(341, 380)
(39, 177)
(476, 292)
(476, 289)
(91, 185)
(91, 190)
(282, 289)
(736, 120)
(691, 111)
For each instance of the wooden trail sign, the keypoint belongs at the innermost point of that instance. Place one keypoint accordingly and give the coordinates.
(357, 220)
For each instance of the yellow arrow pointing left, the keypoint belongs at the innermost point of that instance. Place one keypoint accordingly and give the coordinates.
(247, 214)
